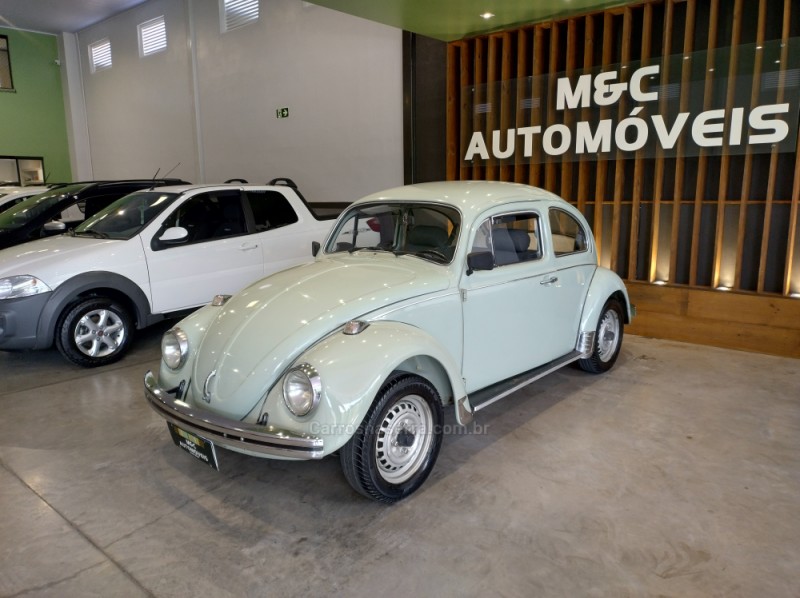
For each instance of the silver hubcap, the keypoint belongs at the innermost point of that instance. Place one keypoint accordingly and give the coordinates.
(99, 333)
(608, 335)
(404, 439)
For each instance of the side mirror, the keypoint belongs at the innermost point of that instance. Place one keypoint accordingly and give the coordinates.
(479, 260)
(54, 227)
(315, 246)
(174, 235)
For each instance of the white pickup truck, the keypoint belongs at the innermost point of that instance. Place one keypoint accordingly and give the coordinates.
(152, 254)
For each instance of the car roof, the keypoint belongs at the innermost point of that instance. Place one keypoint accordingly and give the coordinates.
(471, 197)
(8, 194)
(208, 186)
(29, 190)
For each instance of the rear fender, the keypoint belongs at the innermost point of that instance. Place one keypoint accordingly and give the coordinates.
(605, 285)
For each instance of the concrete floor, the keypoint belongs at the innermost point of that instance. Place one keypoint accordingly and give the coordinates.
(676, 474)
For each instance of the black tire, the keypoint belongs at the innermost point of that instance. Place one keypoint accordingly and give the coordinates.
(607, 339)
(94, 331)
(389, 457)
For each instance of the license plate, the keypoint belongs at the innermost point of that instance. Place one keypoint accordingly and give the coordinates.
(196, 446)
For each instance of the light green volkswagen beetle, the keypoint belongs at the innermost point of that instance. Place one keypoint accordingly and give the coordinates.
(425, 297)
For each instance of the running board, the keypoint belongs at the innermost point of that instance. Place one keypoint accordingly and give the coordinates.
(486, 396)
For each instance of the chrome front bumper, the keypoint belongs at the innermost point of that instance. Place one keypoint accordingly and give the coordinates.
(233, 434)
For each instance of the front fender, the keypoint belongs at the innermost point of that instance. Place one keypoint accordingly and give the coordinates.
(353, 368)
(605, 284)
(195, 326)
(99, 281)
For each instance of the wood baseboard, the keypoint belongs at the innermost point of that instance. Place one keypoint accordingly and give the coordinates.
(749, 322)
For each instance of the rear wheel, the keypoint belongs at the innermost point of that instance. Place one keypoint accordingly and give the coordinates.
(395, 448)
(94, 332)
(607, 339)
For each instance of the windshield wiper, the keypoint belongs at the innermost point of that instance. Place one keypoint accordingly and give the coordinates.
(90, 233)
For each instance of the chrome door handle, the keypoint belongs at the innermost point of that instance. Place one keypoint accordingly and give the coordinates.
(551, 280)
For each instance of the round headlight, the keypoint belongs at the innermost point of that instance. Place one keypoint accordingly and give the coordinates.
(174, 348)
(302, 388)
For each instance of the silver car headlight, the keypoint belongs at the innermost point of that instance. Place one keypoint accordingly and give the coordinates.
(15, 287)
(302, 389)
(174, 348)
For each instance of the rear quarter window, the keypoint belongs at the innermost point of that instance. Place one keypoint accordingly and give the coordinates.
(270, 209)
(568, 235)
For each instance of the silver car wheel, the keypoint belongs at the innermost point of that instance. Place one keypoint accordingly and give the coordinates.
(608, 335)
(99, 333)
(403, 439)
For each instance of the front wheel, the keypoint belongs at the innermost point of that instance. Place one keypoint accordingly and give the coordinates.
(94, 332)
(607, 339)
(394, 449)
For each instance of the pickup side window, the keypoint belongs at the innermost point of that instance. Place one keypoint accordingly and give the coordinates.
(568, 235)
(512, 238)
(270, 209)
(210, 216)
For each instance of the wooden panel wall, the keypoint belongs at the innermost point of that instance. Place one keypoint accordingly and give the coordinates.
(698, 223)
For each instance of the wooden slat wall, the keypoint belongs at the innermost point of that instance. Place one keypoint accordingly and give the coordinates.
(688, 221)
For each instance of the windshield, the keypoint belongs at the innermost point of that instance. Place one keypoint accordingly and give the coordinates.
(127, 216)
(427, 231)
(32, 207)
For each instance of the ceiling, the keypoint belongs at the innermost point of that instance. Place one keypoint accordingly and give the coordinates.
(55, 16)
(446, 20)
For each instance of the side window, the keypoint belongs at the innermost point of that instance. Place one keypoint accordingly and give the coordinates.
(10, 204)
(568, 235)
(270, 209)
(5, 64)
(94, 204)
(87, 207)
(72, 214)
(210, 216)
(512, 238)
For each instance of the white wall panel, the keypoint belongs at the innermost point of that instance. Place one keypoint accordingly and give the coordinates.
(340, 77)
(140, 111)
(77, 126)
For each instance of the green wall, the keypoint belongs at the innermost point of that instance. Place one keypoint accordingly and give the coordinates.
(32, 119)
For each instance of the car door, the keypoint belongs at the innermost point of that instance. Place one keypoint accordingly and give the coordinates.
(284, 237)
(512, 318)
(220, 255)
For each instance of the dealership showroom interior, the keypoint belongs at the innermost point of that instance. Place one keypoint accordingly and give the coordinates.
(400, 298)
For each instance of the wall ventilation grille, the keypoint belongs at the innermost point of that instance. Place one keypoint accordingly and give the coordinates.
(152, 36)
(100, 55)
(237, 13)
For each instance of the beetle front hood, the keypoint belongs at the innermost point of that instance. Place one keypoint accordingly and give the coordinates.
(262, 329)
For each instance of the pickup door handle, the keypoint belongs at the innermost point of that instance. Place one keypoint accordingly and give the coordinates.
(551, 280)
(248, 246)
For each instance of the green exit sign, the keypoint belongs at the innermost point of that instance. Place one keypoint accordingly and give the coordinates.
(282, 113)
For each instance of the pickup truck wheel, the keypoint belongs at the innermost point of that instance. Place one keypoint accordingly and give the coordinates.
(607, 340)
(94, 332)
(394, 449)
